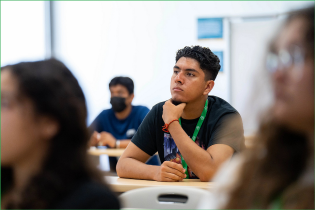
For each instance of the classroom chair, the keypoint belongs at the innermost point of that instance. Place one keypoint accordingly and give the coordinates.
(163, 197)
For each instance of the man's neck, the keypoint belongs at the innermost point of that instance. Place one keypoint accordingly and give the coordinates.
(194, 109)
(124, 114)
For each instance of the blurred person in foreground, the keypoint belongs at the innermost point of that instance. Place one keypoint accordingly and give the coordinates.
(44, 141)
(193, 132)
(278, 172)
(115, 127)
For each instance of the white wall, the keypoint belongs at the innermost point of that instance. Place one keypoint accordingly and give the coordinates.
(250, 81)
(100, 40)
(22, 32)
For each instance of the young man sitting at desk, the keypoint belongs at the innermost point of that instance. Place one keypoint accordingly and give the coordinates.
(115, 127)
(193, 133)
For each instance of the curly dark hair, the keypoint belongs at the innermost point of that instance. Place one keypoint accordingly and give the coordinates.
(55, 92)
(209, 62)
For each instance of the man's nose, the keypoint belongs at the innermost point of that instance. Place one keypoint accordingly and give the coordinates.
(179, 78)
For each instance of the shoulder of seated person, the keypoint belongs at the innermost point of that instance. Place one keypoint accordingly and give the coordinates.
(219, 103)
(105, 111)
(232, 116)
(158, 105)
(141, 108)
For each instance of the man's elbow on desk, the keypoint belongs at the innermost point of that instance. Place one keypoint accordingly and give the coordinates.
(120, 167)
(206, 176)
(219, 155)
(125, 167)
(132, 163)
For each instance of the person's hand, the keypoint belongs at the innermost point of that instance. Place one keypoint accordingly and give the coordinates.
(170, 172)
(172, 112)
(94, 139)
(106, 139)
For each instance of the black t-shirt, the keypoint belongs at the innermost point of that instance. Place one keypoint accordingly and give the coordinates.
(222, 125)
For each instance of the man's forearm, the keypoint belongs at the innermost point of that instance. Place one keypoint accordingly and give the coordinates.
(132, 168)
(124, 143)
(199, 160)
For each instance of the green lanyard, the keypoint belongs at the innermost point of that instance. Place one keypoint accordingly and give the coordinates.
(200, 121)
(277, 203)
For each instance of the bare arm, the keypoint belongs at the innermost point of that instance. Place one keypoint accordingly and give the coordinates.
(204, 163)
(132, 165)
(124, 143)
(107, 139)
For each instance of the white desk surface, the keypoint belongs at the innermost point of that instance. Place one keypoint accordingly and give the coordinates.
(109, 151)
(122, 185)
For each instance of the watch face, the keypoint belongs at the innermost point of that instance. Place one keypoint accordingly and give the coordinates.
(101, 147)
(130, 133)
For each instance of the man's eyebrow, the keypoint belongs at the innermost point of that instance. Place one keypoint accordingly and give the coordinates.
(193, 70)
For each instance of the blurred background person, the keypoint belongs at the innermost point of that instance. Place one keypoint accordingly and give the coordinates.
(44, 141)
(116, 126)
(279, 171)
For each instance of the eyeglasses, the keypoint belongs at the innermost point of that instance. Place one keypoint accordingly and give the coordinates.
(290, 60)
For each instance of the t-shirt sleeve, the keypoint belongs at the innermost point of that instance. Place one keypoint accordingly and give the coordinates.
(146, 133)
(229, 131)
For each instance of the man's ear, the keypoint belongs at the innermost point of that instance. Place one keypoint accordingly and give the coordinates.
(49, 127)
(130, 98)
(209, 86)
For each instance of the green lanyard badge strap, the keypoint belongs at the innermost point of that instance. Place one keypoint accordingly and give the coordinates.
(199, 124)
(277, 203)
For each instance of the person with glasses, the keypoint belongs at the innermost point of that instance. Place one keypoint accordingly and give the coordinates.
(192, 132)
(278, 172)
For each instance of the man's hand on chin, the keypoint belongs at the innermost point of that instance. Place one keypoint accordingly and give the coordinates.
(172, 112)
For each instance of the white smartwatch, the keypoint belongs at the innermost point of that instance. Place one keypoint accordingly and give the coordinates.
(117, 143)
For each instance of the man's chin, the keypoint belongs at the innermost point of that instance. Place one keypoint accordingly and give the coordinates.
(176, 102)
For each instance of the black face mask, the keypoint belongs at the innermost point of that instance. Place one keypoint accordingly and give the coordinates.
(118, 104)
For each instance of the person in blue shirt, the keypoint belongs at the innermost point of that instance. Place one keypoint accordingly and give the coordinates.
(115, 127)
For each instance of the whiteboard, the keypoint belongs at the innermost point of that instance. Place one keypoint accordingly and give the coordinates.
(251, 91)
